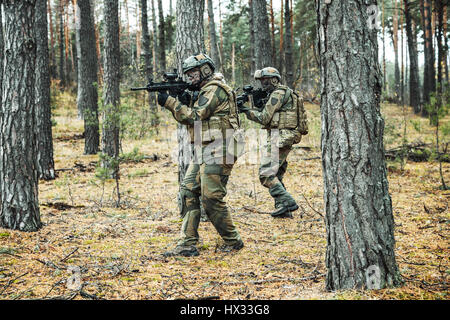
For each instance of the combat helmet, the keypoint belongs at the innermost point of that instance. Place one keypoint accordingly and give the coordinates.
(201, 61)
(267, 72)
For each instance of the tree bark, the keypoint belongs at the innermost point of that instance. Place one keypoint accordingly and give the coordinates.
(212, 36)
(439, 41)
(111, 90)
(18, 167)
(45, 162)
(161, 39)
(414, 87)
(252, 39)
(272, 29)
(263, 49)
(189, 41)
(288, 54)
(282, 64)
(429, 81)
(147, 52)
(155, 39)
(52, 42)
(87, 77)
(395, 45)
(62, 75)
(359, 219)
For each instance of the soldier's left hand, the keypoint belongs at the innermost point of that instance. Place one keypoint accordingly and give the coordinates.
(162, 98)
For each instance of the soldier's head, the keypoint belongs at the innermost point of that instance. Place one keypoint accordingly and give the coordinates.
(198, 69)
(269, 78)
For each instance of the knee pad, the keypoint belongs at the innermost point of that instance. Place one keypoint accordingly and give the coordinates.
(187, 201)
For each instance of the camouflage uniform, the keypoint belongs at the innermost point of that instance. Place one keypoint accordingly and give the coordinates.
(280, 112)
(216, 110)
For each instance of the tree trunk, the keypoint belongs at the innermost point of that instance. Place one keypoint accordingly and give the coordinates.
(263, 50)
(67, 66)
(440, 45)
(155, 39)
(111, 90)
(212, 36)
(87, 77)
(18, 167)
(220, 35)
(45, 162)
(147, 53)
(161, 39)
(395, 45)
(189, 41)
(252, 39)
(62, 75)
(2, 57)
(272, 39)
(288, 54)
(359, 219)
(445, 28)
(282, 64)
(78, 50)
(402, 65)
(414, 87)
(429, 82)
(52, 42)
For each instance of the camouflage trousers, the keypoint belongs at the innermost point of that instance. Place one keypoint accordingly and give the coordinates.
(272, 170)
(206, 183)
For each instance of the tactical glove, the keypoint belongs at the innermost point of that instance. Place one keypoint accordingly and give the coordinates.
(162, 98)
(242, 108)
(185, 98)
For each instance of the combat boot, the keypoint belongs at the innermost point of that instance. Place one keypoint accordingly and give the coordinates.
(277, 201)
(231, 247)
(286, 203)
(180, 250)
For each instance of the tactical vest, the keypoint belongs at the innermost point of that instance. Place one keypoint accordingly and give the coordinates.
(291, 115)
(225, 117)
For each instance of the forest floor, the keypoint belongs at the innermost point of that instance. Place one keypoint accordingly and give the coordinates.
(90, 249)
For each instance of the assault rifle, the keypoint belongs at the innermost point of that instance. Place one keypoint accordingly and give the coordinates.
(260, 97)
(171, 83)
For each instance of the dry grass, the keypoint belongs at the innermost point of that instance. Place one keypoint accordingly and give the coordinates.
(118, 250)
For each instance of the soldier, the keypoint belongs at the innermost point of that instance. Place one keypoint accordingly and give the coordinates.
(212, 110)
(283, 111)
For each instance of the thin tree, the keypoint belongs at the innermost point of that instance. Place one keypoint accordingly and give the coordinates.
(272, 29)
(62, 75)
(161, 39)
(359, 218)
(1, 79)
(263, 48)
(87, 76)
(414, 88)
(52, 41)
(147, 52)
(395, 45)
(288, 54)
(45, 162)
(189, 41)
(429, 82)
(282, 64)
(251, 23)
(18, 167)
(212, 35)
(111, 90)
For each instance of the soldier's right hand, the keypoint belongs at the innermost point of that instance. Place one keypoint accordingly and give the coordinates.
(185, 98)
(241, 107)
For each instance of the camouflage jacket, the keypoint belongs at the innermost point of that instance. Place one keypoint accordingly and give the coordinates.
(279, 112)
(215, 108)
